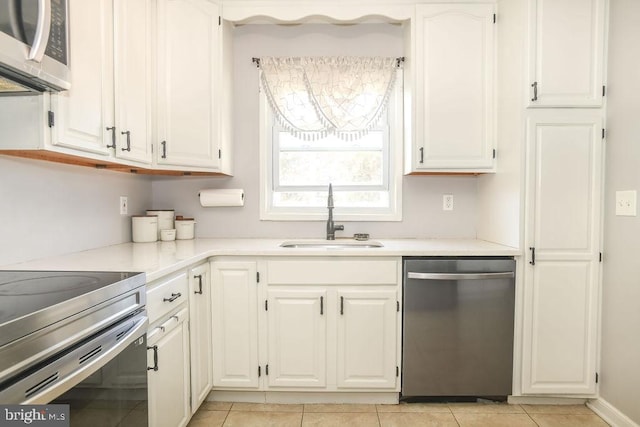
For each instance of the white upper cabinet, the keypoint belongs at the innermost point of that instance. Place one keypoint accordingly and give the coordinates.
(189, 83)
(83, 113)
(133, 77)
(107, 112)
(561, 283)
(566, 53)
(454, 118)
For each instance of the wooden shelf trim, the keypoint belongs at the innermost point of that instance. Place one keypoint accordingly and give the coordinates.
(52, 156)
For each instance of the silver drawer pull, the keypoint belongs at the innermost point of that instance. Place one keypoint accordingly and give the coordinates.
(461, 276)
(173, 297)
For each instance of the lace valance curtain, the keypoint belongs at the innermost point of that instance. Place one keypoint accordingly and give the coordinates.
(313, 97)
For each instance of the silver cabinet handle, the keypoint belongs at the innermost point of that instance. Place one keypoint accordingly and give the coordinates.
(113, 136)
(535, 91)
(128, 147)
(421, 155)
(173, 297)
(199, 277)
(164, 149)
(155, 358)
(43, 28)
(461, 276)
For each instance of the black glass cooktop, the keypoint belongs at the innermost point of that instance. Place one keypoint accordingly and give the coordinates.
(23, 293)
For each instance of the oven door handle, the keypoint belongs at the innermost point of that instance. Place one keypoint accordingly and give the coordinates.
(63, 373)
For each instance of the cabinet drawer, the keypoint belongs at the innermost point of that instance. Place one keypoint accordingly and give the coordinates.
(343, 271)
(166, 295)
(163, 329)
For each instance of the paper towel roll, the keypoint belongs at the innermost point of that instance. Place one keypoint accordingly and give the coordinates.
(222, 197)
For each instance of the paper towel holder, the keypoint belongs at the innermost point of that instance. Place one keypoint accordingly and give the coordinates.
(222, 197)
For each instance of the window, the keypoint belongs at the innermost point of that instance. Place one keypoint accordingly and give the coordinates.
(364, 170)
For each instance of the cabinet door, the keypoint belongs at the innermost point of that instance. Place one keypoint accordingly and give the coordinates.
(566, 53)
(455, 112)
(297, 331)
(133, 59)
(563, 228)
(200, 334)
(188, 72)
(235, 324)
(367, 335)
(169, 384)
(83, 113)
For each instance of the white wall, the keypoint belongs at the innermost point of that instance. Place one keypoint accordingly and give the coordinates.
(620, 367)
(49, 209)
(499, 195)
(422, 196)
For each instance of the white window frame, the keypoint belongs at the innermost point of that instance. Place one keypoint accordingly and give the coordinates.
(395, 149)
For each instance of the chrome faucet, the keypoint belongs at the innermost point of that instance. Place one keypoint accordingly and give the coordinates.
(331, 227)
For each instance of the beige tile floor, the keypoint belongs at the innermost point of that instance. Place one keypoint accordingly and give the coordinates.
(217, 414)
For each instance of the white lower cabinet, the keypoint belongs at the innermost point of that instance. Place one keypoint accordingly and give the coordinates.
(561, 282)
(235, 324)
(179, 357)
(297, 338)
(308, 324)
(200, 334)
(367, 334)
(168, 372)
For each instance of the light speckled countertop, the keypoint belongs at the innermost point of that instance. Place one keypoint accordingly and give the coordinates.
(161, 258)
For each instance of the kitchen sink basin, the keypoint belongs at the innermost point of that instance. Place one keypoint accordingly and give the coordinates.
(332, 244)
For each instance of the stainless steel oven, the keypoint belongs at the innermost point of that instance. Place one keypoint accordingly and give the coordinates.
(76, 338)
(34, 47)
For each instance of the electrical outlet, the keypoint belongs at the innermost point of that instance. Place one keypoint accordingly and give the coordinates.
(447, 202)
(124, 205)
(626, 203)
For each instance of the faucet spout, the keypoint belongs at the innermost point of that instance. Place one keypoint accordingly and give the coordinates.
(331, 226)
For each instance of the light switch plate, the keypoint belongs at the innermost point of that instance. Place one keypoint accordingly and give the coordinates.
(626, 203)
(124, 205)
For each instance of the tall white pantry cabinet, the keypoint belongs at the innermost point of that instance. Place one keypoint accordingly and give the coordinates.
(565, 137)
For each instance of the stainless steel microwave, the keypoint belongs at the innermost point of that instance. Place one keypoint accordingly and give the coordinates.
(34, 46)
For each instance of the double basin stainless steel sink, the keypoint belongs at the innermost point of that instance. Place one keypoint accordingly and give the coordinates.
(331, 244)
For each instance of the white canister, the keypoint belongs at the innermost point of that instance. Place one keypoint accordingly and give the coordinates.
(168, 235)
(185, 228)
(165, 219)
(144, 228)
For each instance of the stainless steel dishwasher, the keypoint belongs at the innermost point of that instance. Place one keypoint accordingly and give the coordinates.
(457, 340)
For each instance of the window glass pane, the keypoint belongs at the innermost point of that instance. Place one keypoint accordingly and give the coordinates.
(304, 168)
(342, 199)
